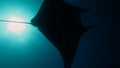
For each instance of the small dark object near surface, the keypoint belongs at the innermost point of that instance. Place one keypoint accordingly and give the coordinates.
(60, 23)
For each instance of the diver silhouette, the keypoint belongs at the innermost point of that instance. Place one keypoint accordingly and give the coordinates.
(60, 23)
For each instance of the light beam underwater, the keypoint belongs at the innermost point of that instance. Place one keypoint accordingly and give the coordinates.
(16, 26)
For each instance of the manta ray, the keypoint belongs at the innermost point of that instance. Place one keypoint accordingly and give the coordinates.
(60, 23)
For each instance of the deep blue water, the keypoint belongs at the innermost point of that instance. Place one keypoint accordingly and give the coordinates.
(98, 48)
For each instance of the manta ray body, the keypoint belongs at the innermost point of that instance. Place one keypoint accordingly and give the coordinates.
(60, 23)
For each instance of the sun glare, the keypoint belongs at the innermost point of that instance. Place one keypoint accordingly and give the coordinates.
(15, 18)
(16, 27)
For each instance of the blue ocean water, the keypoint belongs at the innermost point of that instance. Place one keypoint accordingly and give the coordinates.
(26, 48)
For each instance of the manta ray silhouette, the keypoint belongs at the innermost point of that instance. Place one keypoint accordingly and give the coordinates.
(60, 23)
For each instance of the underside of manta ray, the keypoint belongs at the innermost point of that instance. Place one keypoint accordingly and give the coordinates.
(60, 23)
